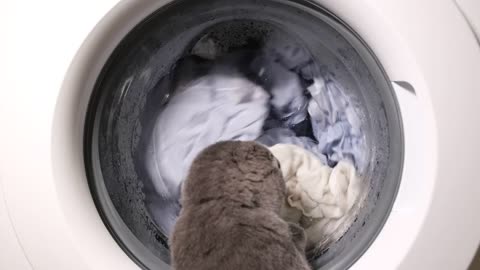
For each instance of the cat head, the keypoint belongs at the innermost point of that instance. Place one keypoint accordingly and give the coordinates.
(245, 174)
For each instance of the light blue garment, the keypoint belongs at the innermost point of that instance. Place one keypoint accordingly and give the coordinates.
(335, 123)
(288, 68)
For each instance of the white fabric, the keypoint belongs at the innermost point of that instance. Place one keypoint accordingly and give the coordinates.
(323, 195)
(211, 109)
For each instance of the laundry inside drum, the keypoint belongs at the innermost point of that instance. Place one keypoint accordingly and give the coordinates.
(286, 74)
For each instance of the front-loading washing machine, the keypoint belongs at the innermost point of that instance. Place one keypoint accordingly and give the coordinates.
(77, 92)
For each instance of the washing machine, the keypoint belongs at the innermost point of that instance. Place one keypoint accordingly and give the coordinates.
(74, 80)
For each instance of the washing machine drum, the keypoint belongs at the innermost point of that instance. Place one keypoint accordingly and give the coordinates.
(145, 74)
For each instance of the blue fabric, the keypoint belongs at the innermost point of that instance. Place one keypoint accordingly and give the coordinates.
(335, 123)
(300, 88)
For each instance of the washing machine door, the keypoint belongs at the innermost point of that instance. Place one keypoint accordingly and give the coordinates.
(426, 48)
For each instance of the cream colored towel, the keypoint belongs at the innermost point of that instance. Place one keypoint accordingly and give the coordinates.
(319, 198)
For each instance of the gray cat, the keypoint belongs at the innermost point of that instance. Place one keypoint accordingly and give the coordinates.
(230, 220)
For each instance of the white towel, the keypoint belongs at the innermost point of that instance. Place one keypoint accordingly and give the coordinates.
(317, 193)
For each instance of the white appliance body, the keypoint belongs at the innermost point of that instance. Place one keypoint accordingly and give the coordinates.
(51, 57)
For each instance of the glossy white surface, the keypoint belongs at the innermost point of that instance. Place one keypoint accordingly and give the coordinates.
(435, 223)
(54, 216)
(12, 255)
(471, 12)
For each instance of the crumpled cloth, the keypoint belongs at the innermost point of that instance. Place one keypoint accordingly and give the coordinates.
(209, 109)
(335, 123)
(288, 101)
(299, 88)
(279, 65)
(322, 195)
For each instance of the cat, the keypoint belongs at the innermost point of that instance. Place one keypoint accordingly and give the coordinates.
(231, 201)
